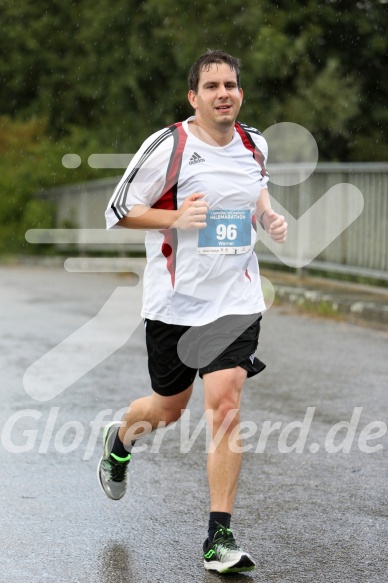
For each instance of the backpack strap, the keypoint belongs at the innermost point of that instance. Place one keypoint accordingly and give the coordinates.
(247, 140)
(168, 198)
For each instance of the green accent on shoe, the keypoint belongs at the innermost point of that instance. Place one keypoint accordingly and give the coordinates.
(223, 554)
(112, 470)
(121, 459)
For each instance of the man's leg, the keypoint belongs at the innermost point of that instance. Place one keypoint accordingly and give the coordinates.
(222, 404)
(172, 384)
(151, 411)
(143, 416)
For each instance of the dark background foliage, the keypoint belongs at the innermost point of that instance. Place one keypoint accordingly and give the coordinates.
(92, 76)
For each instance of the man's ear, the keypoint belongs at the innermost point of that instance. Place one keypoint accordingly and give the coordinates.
(192, 97)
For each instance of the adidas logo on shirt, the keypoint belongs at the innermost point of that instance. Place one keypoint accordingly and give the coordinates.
(195, 158)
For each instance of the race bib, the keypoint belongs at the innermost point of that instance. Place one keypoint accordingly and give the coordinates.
(226, 232)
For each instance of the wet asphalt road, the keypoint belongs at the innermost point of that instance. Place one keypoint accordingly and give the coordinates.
(310, 516)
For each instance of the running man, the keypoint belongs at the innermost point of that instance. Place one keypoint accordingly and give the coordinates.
(198, 188)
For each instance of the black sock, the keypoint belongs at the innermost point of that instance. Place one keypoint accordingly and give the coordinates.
(215, 520)
(120, 449)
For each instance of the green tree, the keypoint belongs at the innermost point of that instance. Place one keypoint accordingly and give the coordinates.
(86, 77)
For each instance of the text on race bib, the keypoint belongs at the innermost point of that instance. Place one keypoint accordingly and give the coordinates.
(227, 231)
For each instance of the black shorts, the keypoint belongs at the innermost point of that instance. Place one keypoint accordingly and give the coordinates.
(176, 353)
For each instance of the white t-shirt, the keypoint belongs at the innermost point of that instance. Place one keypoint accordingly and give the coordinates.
(193, 277)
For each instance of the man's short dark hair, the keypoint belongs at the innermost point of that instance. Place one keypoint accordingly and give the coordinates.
(208, 59)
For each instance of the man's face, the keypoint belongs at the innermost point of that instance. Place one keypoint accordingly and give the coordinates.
(218, 99)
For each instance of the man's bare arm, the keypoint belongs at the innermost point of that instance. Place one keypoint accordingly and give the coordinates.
(274, 224)
(190, 215)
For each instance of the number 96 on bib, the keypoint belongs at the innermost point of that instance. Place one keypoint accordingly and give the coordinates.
(227, 232)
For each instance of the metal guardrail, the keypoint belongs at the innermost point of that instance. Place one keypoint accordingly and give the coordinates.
(362, 248)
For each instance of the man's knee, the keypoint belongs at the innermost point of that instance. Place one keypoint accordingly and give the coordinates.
(222, 396)
(223, 388)
(170, 409)
(226, 415)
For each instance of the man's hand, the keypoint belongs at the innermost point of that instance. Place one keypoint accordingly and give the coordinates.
(275, 225)
(192, 213)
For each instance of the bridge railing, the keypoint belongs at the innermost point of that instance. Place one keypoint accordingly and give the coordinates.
(361, 248)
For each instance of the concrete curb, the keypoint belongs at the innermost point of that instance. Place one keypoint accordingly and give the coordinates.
(369, 311)
(358, 303)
